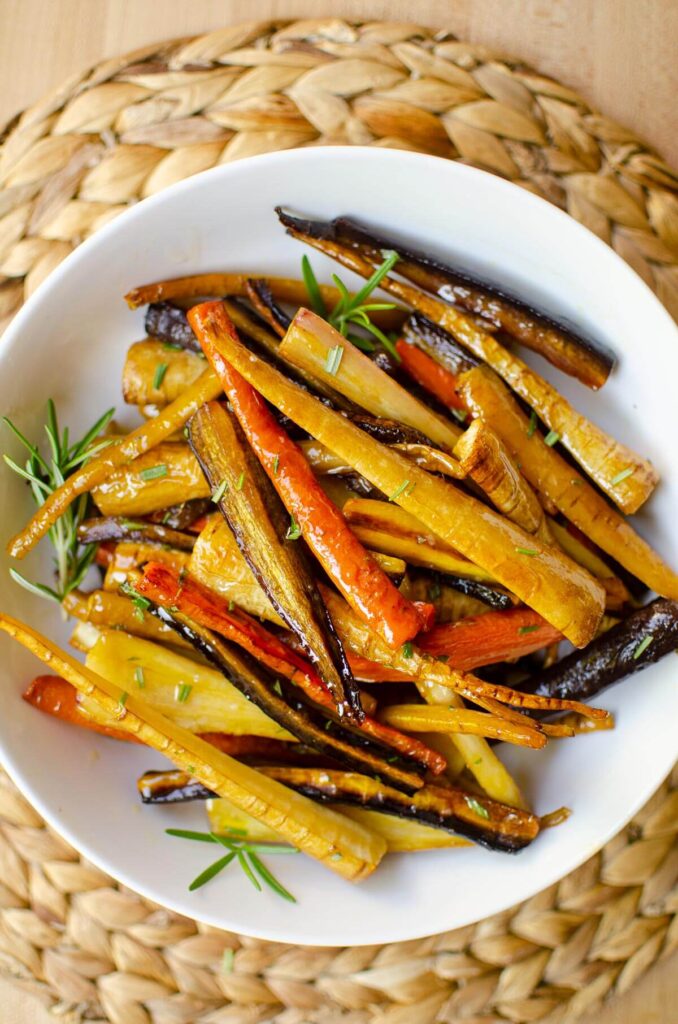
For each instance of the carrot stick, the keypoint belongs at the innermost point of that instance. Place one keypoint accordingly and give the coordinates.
(120, 453)
(431, 375)
(487, 639)
(363, 583)
(164, 586)
(56, 697)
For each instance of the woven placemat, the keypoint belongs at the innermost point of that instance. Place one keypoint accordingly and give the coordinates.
(131, 126)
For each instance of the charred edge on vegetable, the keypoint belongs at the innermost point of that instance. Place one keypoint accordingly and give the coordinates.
(180, 517)
(168, 787)
(389, 431)
(170, 324)
(453, 284)
(490, 596)
(279, 520)
(96, 530)
(438, 343)
(620, 652)
(293, 710)
(262, 299)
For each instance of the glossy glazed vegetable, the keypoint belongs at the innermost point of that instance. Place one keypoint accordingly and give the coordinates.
(195, 696)
(602, 457)
(616, 592)
(260, 526)
(261, 297)
(184, 516)
(168, 323)
(94, 531)
(641, 639)
(286, 704)
(54, 696)
(572, 495)
(478, 818)
(489, 638)
(485, 458)
(455, 597)
(563, 347)
(129, 556)
(429, 374)
(314, 345)
(164, 476)
(546, 580)
(438, 344)
(115, 611)
(424, 718)
(310, 828)
(389, 528)
(284, 289)
(118, 454)
(155, 374)
(313, 515)
(167, 588)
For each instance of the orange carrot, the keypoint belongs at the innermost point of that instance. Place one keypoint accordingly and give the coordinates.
(164, 586)
(363, 583)
(56, 697)
(437, 380)
(489, 638)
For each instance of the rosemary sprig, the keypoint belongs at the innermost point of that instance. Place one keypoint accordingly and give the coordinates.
(246, 854)
(353, 310)
(44, 475)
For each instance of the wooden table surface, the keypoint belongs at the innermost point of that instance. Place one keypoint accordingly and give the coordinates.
(620, 54)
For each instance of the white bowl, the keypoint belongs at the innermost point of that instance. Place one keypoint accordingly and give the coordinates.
(69, 342)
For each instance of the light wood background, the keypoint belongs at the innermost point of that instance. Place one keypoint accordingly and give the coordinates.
(620, 54)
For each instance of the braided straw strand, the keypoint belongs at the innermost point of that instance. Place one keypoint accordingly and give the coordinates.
(124, 130)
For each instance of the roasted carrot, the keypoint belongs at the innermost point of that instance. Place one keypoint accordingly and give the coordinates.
(427, 718)
(431, 375)
(166, 587)
(363, 583)
(56, 697)
(487, 639)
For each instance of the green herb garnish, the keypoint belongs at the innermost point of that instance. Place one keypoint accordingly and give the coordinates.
(313, 288)
(552, 438)
(407, 650)
(227, 961)
(293, 530)
(248, 856)
(527, 629)
(141, 604)
(240, 481)
(182, 692)
(218, 492)
(139, 676)
(533, 424)
(122, 700)
(477, 808)
(44, 475)
(624, 475)
(153, 472)
(399, 490)
(159, 375)
(530, 552)
(643, 646)
(334, 357)
(276, 464)
(277, 687)
(434, 591)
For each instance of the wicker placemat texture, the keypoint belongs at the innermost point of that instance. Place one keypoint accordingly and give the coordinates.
(124, 130)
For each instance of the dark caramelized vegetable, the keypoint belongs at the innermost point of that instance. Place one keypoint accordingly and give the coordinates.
(93, 531)
(493, 597)
(564, 348)
(638, 641)
(438, 344)
(180, 517)
(169, 324)
(287, 705)
(261, 297)
(260, 526)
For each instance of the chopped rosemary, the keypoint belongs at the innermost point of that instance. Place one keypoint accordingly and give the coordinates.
(530, 552)
(527, 629)
(399, 490)
(44, 474)
(139, 676)
(313, 288)
(154, 472)
(643, 646)
(227, 959)
(182, 692)
(276, 465)
(552, 438)
(294, 530)
(477, 808)
(624, 475)
(159, 375)
(277, 687)
(407, 649)
(248, 857)
(240, 481)
(533, 424)
(218, 492)
(141, 604)
(334, 357)
(122, 700)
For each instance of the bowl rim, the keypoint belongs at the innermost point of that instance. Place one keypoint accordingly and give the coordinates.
(538, 206)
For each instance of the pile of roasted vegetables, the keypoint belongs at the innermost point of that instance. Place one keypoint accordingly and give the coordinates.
(340, 558)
